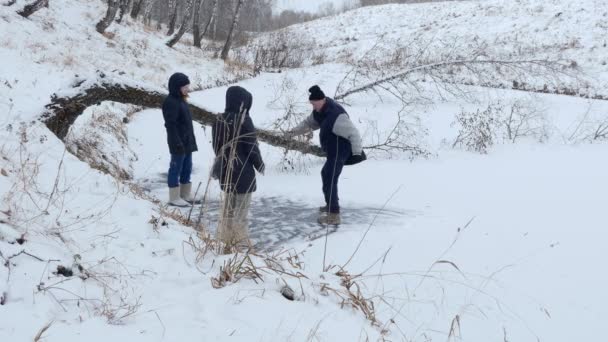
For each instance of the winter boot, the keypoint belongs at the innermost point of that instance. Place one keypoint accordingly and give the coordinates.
(330, 219)
(174, 198)
(324, 209)
(185, 192)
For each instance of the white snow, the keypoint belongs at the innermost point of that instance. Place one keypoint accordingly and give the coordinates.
(311, 6)
(511, 30)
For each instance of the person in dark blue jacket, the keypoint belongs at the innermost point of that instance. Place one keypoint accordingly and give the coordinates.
(181, 140)
(237, 159)
(340, 140)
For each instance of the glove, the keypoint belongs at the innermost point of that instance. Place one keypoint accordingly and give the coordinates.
(356, 159)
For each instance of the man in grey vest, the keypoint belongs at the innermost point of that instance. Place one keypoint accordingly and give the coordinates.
(340, 140)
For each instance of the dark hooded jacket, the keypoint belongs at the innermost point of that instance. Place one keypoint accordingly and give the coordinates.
(235, 144)
(178, 120)
(335, 146)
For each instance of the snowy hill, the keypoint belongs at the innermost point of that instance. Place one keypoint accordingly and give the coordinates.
(448, 245)
(309, 6)
(572, 32)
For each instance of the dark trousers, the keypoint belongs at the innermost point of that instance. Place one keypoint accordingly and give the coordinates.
(330, 175)
(180, 169)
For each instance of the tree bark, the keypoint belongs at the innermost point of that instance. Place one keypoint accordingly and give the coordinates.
(211, 17)
(137, 6)
(148, 12)
(124, 7)
(109, 18)
(184, 25)
(233, 27)
(196, 23)
(173, 9)
(33, 7)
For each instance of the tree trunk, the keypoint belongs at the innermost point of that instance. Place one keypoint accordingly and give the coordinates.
(233, 27)
(62, 113)
(184, 25)
(196, 24)
(137, 5)
(110, 14)
(32, 8)
(124, 7)
(173, 9)
(211, 17)
(148, 12)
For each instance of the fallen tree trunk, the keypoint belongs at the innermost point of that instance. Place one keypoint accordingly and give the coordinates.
(33, 7)
(63, 112)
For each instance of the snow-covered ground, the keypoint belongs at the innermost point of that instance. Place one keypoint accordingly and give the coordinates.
(501, 246)
(311, 6)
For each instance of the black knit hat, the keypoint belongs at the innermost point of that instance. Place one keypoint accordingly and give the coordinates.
(316, 93)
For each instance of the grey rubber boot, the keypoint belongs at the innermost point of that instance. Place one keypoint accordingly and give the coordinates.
(175, 199)
(185, 192)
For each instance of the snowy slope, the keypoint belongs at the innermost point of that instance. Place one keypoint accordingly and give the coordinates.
(460, 246)
(570, 31)
(309, 6)
(58, 50)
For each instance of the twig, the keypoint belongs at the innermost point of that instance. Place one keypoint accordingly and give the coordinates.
(370, 226)
(383, 258)
(161, 323)
(459, 231)
(194, 200)
(26, 253)
(42, 331)
(55, 185)
(466, 62)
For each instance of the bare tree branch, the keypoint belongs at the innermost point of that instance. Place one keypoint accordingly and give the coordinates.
(516, 64)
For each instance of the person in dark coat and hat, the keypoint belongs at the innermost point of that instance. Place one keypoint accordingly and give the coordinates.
(237, 159)
(340, 140)
(181, 140)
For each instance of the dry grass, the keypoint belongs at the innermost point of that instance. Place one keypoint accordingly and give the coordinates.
(116, 313)
(164, 210)
(48, 25)
(352, 296)
(69, 61)
(89, 144)
(455, 333)
(236, 268)
(8, 43)
(42, 330)
(202, 246)
(238, 67)
(37, 47)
